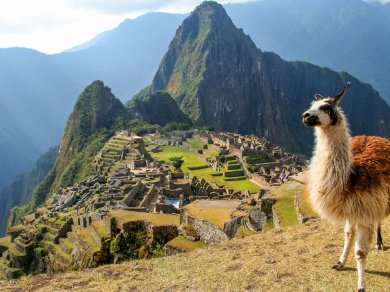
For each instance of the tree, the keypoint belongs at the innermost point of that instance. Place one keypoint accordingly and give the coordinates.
(177, 162)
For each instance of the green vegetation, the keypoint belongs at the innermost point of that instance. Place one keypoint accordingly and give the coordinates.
(284, 205)
(304, 203)
(177, 162)
(140, 127)
(87, 238)
(216, 212)
(183, 243)
(196, 143)
(148, 105)
(5, 241)
(192, 159)
(262, 158)
(22, 188)
(157, 219)
(176, 126)
(101, 229)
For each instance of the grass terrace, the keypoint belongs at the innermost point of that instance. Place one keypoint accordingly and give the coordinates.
(215, 212)
(5, 241)
(192, 159)
(183, 243)
(284, 205)
(157, 219)
(197, 143)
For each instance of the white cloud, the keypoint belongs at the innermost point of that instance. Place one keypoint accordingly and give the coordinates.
(53, 26)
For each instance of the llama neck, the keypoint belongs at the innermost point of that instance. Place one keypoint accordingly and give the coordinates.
(332, 161)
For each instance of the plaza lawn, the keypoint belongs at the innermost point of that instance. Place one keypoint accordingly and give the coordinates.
(196, 143)
(193, 159)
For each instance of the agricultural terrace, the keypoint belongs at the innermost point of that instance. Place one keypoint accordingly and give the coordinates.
(157, 219)
(216, 212)
(192, 159)
(284, 206)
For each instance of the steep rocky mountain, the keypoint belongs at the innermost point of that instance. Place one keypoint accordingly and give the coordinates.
(346, 35)
(96, 110)
(94, 119)
(20, 190)
(219, 78)
(157, 108)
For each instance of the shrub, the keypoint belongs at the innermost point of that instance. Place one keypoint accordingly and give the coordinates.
(177, 161)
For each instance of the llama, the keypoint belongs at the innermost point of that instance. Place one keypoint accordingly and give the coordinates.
(348, 178)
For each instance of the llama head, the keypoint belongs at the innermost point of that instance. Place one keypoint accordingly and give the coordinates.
(324, 111)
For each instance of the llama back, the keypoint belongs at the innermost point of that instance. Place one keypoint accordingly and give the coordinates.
(371, 153)
(371, 167)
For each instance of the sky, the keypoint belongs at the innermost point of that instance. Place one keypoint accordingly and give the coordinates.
(52, 26)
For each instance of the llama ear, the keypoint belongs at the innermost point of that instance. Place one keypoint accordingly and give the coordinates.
(318, 97)
(337, 98)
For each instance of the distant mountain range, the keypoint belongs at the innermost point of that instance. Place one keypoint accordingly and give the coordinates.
(37, 91)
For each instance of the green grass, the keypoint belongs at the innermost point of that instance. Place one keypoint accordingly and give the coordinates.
(244, 232)
(304, 203)
(101, 229)
(12, 248)
(215, 212)
(269, 225)
(67, 244)
(196, 143)
(157, 219)
(6, 241)
(193, 159)
(284, 205)
(3, 276)
(183, 243)
(87, 238)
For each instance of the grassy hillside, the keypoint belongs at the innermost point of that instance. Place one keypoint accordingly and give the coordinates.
(295, 258)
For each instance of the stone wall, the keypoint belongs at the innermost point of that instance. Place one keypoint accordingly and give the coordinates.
(301, 217)
(208, 232)
(276, 219)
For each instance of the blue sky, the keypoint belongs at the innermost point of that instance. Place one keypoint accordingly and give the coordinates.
(52, 26)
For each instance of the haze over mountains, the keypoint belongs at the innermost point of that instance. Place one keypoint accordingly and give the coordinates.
(38, 91)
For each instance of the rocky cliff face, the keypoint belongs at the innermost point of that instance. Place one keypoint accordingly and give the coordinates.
(219, 78)
(148, 106)
(96, 109)
(95, 117)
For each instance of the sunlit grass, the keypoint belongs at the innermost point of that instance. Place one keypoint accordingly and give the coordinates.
(193, 159)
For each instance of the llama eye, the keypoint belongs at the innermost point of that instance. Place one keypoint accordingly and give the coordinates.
(326, 108)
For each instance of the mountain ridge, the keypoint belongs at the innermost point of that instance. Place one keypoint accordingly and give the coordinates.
(220, 78)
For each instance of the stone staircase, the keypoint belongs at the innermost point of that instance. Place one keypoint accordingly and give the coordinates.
(111, 153)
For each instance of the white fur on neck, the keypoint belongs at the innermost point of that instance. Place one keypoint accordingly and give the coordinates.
(330, 166)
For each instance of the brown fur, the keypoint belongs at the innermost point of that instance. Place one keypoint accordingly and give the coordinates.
(371, 165)
(371, 153)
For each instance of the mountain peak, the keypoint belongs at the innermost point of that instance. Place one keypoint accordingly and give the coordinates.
(96, 109)
(206, 40)
(209, 8)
